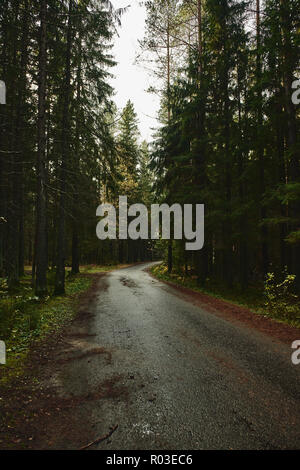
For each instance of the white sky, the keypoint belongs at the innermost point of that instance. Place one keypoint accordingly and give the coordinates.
(131, 81)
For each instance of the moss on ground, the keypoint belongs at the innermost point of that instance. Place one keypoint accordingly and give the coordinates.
(26, 319)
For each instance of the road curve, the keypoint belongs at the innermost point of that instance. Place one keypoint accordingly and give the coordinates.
(180, 376)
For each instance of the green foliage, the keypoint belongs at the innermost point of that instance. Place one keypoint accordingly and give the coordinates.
(229, 140)
(79, 46)
(281, 300)
(25, 318)
(293, 237)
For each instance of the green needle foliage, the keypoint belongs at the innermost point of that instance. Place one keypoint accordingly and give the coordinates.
(229, 135)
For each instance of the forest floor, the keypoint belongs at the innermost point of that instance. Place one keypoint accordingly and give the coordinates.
(170, 367)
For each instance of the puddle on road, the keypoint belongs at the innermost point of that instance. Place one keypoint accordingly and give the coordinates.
(128, 282)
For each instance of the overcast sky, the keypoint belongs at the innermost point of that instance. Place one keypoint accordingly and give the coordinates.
(131, 81)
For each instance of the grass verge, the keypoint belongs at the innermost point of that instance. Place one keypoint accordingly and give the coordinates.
(253, 299)
(26, 320)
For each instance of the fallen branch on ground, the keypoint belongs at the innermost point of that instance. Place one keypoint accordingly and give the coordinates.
(100, 439)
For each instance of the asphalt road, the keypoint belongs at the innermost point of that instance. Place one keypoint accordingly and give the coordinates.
(180, 377)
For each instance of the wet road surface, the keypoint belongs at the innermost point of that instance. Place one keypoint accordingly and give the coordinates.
(177, 376)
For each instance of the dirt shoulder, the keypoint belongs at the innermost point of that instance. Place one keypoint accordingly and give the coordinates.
(235, 313)
(32, 414)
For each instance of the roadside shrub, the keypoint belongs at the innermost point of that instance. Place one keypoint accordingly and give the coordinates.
(281, 300)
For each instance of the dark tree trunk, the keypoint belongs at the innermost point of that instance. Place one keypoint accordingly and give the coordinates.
(65, 142)
(76, 172)
(3, 159)
(293, 171)
(170, 243)
(20, 128)
(121, 254)
(12, 251)
(243, 220)
(228, 254)
(260, 147)
(170, 256)
(41, 232)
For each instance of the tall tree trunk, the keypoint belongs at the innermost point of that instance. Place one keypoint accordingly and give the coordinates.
(3, 134)
(260, 147)
(200, 160)
(283, 228)
(228, 253)
(20, 128)
(13, 213)
(293, 147)
(200, 45)
(288, 69)
(76, 173)
(65, 151)
(170, 242)
(243, 222)
(41, 231)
